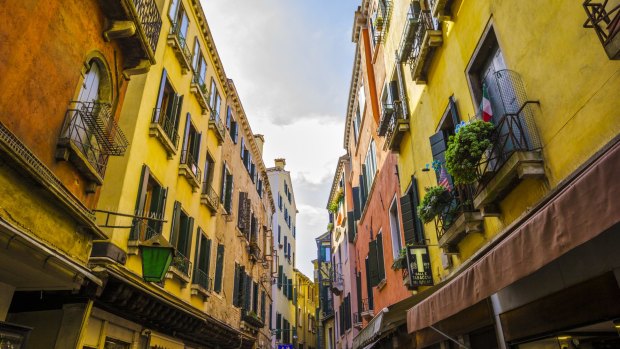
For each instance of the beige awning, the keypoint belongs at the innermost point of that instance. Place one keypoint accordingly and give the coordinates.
(581, 208)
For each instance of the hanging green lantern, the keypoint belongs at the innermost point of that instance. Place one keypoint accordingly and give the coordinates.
(156, 255)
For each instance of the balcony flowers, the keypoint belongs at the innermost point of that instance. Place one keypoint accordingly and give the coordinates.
(333, 205)
(435, 202)
(466, 148)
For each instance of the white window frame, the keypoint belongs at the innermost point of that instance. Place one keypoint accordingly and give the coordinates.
(395, 231)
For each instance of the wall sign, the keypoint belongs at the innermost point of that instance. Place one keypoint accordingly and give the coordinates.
(419, 266)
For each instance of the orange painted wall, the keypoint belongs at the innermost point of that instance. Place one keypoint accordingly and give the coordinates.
(40, 72)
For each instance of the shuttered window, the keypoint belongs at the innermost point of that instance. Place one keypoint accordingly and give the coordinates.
(151, 203)
(412, 224)
(376, 267)
(236, 287)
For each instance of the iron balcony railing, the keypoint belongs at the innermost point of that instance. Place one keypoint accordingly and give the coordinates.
(200, 81)
(513, 117)
(390, 114)
(175, 30)
(425, 22)
(182, 263)
(210, 194)
(150, 20)
(605, 22)
(143, 229)
(399, 114)
(202, 279)
(411, 25)
(187, 158)
(90, 126)
(459, 200)
(215, 120)
(382, 20)
(167, 124)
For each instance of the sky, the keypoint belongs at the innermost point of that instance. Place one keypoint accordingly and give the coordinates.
(291, 61)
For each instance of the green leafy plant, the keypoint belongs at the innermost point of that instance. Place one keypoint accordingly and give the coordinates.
(465, 149)
(330, 226)
(400, 262)
(333, 205)
(435, 202)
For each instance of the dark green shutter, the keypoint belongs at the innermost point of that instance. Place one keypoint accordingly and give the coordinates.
(280, 274)
(158, 207)
(176, 222)
(186, 146)
(278, 326)
(223, 186)
(290, 290)
(358, 289)
(255, 297)
(236, 287)
(248, 292)
(454, 111)
(177, 113)
(380, 262)
(351, 226)
(229, 192)
(357, 211)
(160, 95)
(241, 287)
(415, 201)
(142, 186)
(407, 215)
(196, 148)
(373, 272)
(219, 266)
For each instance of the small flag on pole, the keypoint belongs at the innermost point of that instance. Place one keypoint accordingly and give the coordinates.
(485, 105)
(443, 179)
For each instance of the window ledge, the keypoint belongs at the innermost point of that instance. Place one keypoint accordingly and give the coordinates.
(197, 290)
(173, 272)
(155, 130)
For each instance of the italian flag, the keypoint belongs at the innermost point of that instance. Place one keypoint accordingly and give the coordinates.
(485, 105)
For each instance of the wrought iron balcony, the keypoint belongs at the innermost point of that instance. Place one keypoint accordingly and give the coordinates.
(189, 169)
(199, 89)
(395, 125)
(441, 9)
(181, 266)
(382, 21)
(209, 197)
(136, 25)
(89, 135)
(411, 25)
(215, 124)
(606, 24)
(202, 284)
(162, 127)
(367, 309)
(515, 151)
(254, 250)
(458, 219)
(336, 279)
(143, 229)
(178, 42)
(252, 319)
(427, 37)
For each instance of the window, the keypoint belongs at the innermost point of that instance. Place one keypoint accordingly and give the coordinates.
(395, 229)
(238, 288)
(181, 237)
(413, 229)
(209, 170)
(168, 110)
(202, 260)
(255, 297)
(219, 266)
(199, 65)
(151, 203)
(215, 100)
(227, 189)
(279, 234)
(190, 152)
(376, 268)
(278, 326)
(370, 165)
(242, 148)
(233, 127)
(179, 19)
(286, 244)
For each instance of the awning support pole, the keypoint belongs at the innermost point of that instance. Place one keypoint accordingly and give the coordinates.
(450, 338)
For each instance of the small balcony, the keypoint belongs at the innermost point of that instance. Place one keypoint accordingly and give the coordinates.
(252, 319)
(441, 9)
(367, 309)
(188, 168)
(178, 42)
(427, 37)
(135, 25)
(202, 284)
(357, 320)
(162, 127)
(411, 25)
(515, 154)
(198, 88)
(89, 136)
(382, 21)
(209, 198)
(605, 20)
(458, 219)
(394, 125)
(254, 251)
(337, 280)
(181, 267)
(215, 124)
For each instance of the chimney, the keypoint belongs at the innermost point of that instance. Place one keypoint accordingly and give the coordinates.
(260, 141)
(280, 163)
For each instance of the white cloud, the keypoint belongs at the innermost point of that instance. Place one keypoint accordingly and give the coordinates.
(291, 63)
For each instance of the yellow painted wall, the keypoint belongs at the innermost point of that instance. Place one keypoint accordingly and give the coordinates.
(562, 65)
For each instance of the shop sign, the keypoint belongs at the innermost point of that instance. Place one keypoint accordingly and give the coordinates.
(419, 266)
(285, 346)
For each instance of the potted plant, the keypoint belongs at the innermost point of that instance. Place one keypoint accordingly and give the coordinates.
(435, 202)
(400, 262)
(333, 205)
(465, 149)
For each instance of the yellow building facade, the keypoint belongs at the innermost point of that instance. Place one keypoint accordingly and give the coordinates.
(554, 110)
(306, 307)
(194, 176)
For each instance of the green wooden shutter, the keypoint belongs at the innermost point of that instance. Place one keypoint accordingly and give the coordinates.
(177, 113)
(278, 326)
(248, 292)
(140, 200)
(290, 290)
(176, 222)
(351, 226)
(357, 211)
(415, 201)
(236, 287)
(186, 145)
(196, 148)
(241, 284)
(160, 95)
(255, 297)
(358, 290)
(380, 262)
(229, 192)
(372, 270)
(185, 238)
(219, 266)
(262, 305)
(408, 218)
(158, 205)
(280, 274)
